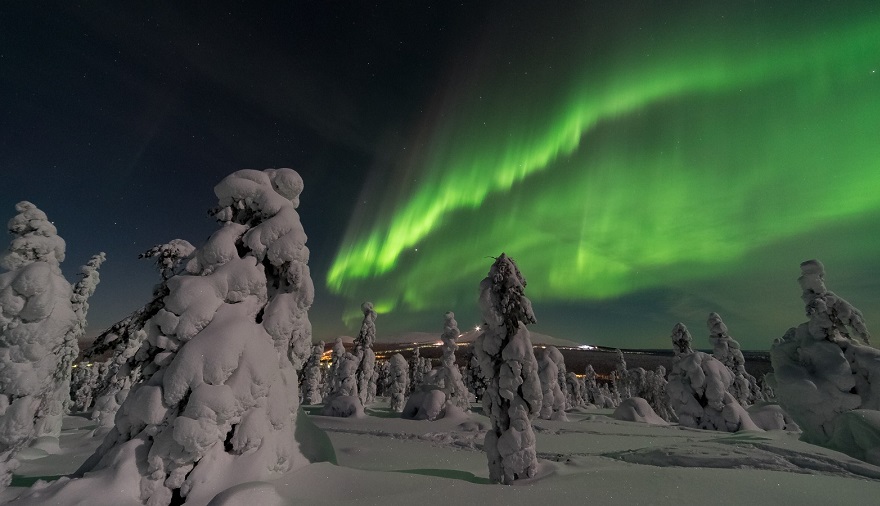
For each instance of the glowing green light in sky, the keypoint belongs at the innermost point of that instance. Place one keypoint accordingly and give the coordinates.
(665, 161)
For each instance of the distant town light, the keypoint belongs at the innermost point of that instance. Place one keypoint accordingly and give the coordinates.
(477, 328)
(586, 347)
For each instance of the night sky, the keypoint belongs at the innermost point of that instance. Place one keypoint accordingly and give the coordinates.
(644, 162)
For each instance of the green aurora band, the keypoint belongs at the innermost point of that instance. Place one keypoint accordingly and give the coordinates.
(648, 164)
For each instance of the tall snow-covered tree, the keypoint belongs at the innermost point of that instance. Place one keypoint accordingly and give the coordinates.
(442, 389)
(448, 376)
(218, 405)
(620, 377)
(474, 380)
(311, 383)
(363, 350)
(591, 385)
(726, 349)
(342, 396)
(54, 407)
(399, 371)
(698, 389)
(416, 370)
(507, 360)
(681, 340)
(553, 398)
(37, 318)
(129, 361)
(825, 378)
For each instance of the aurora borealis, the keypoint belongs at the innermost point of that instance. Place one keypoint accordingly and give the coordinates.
(669, 151)
(644, 162)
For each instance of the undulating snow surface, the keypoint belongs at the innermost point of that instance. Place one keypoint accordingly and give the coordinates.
(591, 458)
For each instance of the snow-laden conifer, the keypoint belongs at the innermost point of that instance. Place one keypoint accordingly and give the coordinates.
(399, 373)
(442, 389)
(507, 360)
(36, 318)
(698, 389)
(124, 339)
(553, 398)
(448, 376)
(824, 377)
(311, 383)
(363, 350)
(726, 349)
(218, 403)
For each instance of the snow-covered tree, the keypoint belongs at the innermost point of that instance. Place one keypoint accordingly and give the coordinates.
(36, 318)
(591, 385)
(681, 340)
(726, 349)
(363, 350)
(58, 403)
(311, 383)
(507, 360)
(442, 389)
(824, 378)
(657, 396)
(218, 404)
(170, 256)
(416, 370)
(474, 380)
(83, 380)
(698, 389)
(575, 389)
(553, 398)
(448, 376)
(383, 377)
(620, 378)
(342, 397)
(124, 339)
(399, 371)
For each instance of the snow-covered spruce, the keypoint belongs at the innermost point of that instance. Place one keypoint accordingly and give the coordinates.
(448, 376)
(399, 374)
(824, 378)
(553, 398)
(383, 377)
(474, 380)
(575, 389)
(342, 398)
(698, 389)
(311, 382)
(620, 380)
(416, 370)
(507, 360)
(363, 350)
(129, 361)
(55, 407)
(657, 396)
(37, 319)
(443, 389)
(219, 407)
(726, 349)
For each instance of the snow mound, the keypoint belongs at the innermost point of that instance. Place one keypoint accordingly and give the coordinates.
(636, 409)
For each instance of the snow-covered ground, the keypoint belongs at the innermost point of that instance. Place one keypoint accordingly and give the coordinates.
(382, 459)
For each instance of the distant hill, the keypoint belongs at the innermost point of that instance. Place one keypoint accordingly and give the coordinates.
(425, 338)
